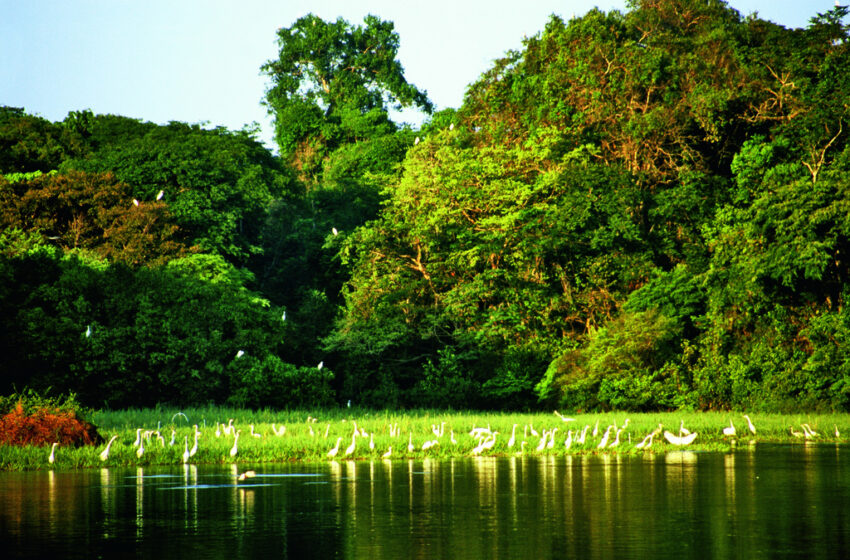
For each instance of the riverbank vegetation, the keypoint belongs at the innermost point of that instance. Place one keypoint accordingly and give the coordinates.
(641, 210)
(165, 435)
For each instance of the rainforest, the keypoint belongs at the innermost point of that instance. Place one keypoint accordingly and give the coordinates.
(641, 211)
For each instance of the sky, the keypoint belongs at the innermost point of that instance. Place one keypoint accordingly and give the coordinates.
(198, 61)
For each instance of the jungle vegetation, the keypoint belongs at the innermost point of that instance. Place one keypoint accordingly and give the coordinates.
(642, 210)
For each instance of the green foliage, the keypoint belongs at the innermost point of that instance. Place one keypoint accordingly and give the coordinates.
(273, 383)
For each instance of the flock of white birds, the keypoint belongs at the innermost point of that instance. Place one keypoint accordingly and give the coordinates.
(483, 438)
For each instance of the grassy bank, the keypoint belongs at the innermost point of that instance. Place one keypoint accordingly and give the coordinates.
(309, 435)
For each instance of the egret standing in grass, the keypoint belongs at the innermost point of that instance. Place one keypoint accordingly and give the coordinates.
(104, 455)
(750, 425)
(52, 458)
(186, 453)
(234, 450)
(332, 453)
(729, 430)
(350, 449)
(141, 450)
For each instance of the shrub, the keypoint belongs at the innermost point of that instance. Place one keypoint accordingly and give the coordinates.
(31, 419)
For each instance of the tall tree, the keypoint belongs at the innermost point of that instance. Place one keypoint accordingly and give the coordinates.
(333, 84)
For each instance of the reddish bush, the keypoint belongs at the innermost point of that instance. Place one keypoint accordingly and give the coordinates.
(43, 426)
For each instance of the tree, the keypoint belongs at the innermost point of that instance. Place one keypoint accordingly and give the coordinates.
(332, 84)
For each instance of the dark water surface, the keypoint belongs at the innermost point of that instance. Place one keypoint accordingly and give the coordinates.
(765, 502)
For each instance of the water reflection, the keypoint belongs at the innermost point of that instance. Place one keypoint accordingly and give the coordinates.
(762, 502)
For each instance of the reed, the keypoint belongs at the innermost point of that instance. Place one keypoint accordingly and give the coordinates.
(309, 435)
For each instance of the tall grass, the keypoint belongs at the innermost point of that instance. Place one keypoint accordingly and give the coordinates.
(310, 435)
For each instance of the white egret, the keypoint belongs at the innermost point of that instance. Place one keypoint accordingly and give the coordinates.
(217, 429)
(234, 450)
(138, 438)
(240, 353)
(372, 442)
(135, 202)
(564, 418)
(104, 455)
(580, 439)
(229, 428)
(795, 433)
(595, 431)
(283, 315)
(521, 448)
(388, 453)
(173, 436)
(604, 441)
(452, 125)
(141, 450)
(335, 231)
(837, 433)
(321, 365)
(533, 431)
(729, 430)
(569, 441)
(255, 434)
(512, 440)
(452, 437)
(416, 142)
(750, 424)
(195, 445)
(88, 331)
(247, 474)
(350, 449)
(683, 431)
(551, 444)
(332, 453)
(680, 440)
(810, 430)
(186, 453)
(543, 440)
(616, 441)
(52, 457)
(410, 447)
(160, 194)
(646, 442)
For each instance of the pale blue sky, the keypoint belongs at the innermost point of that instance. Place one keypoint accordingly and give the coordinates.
(198, 60)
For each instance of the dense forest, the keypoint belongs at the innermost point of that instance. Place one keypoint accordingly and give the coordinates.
(644, 211)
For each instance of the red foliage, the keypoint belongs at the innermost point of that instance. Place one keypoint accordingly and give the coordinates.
(44, 427)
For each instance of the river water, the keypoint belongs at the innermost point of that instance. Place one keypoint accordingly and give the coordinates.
(762, 502)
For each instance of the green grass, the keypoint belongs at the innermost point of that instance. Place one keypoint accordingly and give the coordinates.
(309, 441)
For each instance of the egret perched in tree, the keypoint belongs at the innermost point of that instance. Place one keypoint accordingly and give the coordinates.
(186, 453)
(729, 430)
(240, 353)
(135, 202)
(160, 194)
(104, 455)
(416, 142)
(88, 331)
(332, 453)
(321, 365)
(52, 457)
(234, 450)
(334, 231)
(283, 315)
